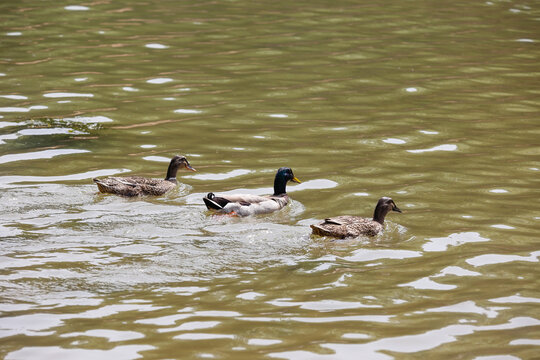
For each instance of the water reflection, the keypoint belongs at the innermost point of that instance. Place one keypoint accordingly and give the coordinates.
(441, 111)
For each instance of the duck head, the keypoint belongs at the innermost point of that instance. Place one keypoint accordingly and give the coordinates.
(283, 175)
(177, 162)
(384, 206)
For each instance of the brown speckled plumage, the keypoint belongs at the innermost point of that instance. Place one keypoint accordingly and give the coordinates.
(137, 185)
(353, 226)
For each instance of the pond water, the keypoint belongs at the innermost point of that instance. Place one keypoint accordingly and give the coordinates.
(434, 104)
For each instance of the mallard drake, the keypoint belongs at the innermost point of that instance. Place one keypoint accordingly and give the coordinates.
(353, 226)
(247, 204)
(137, 185)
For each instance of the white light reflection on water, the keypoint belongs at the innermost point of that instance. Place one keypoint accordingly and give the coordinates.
(502, 226)
(322, 305)
(159, 80)
(187, 111)
(4, 124)
(445, 147)
(49, 131)
(515, 299)
(191, 325)
(66, 94)
(156, 46)
(222, 176)
(123, 352)
(14, 97)
(202, 336)
(263, 342)
(110, 335)
(457, 239)
(250, 295)
(157, 158)
(490, 259)
(14, 109)
(70, 177)
(362, 255)
(87, 119)
(45, 154)
(427, 284)
(394, 141)
(467, 307)
(456, 271)
(320, 319)
(76, 8)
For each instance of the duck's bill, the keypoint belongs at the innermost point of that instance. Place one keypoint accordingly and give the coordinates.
(295, 179)
(190, 168)
(396, 209)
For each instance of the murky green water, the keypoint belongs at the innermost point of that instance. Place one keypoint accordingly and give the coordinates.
(434, 104)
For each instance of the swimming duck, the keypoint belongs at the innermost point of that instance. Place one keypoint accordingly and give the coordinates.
(353, 226)
(136, 185)
(247, 204)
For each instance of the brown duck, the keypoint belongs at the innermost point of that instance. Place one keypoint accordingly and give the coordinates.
(137, 185)
(353, 226)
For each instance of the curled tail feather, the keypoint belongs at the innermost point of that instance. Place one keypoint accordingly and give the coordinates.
(214, 202)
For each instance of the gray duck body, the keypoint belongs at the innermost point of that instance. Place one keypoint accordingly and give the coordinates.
(353, 226)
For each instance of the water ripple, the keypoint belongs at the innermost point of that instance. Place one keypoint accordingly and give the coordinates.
(45, 154)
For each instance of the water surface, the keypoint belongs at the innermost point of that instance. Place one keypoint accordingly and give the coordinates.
(433, 104)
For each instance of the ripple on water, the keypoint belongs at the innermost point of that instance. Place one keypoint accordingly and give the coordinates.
(457, 239)
(394, 141)
(87, 119)
(405, 344)
(491, 259)
(156, 46)
(220, 176)
(14, 97)
(445, 147)
(364, 255)
(136, 249)
(263, 342)
(191, 325)
(110, 335)
(71, 177)
(187, 111)
(159, 80)
(45, 154)
(467, 307)
(427, 284)
(66, 95)
(202, 336)
(322, 305)
(515, 299)
(250, 295)
(76, 8)
(122, 352)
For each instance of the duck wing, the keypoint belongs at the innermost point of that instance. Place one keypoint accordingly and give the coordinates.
(134, 186)
(346, 226)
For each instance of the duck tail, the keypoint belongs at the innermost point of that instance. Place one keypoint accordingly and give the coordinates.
(316, 230)
(213, 202)
(101, 186)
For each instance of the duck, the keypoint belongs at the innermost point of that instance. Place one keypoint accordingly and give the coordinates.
(139, 186)
(354, 226)
(247, 204)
